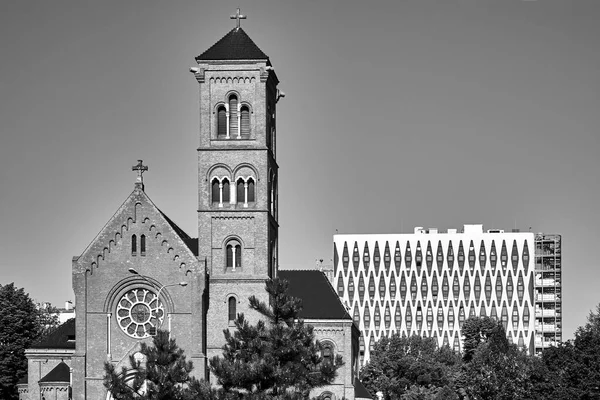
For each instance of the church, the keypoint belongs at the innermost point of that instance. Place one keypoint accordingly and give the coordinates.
(142, 272)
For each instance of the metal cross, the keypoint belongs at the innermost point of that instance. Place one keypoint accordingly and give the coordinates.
(237, 17)
(140, 168)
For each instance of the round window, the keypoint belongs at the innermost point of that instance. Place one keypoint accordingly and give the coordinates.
(138, 312)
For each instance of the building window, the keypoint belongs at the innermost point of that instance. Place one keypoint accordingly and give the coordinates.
(245, 121)
(221, 122)
(225, 191)
(245, 191)
(232, 309)
(233, 117)
(234, 255)
(215, 191)
(133, 245)
(143, 245)
(327, 354)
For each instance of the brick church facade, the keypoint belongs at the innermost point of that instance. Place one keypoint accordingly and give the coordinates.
(143, 272)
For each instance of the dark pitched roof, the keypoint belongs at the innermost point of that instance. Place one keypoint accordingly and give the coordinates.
(236, 45)
(60, 373)
(191, 243)
(319, 300)
(360, 391)
(62, 337)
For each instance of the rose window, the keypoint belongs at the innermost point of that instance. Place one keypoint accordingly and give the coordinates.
(138, 311)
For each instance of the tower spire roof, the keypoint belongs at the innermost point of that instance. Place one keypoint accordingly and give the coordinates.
(235, 45)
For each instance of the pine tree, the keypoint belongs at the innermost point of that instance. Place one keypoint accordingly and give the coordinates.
(163, 375)
(275, 357)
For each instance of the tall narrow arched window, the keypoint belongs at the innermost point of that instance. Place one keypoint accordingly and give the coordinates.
(225, 197)
(143, 245)
(327, 354)
(133, 245)
(240, 192)
(221, 122)
(238, 256)
(233, 255)
(245, 121)
(233, 116)
(215, 192)
(250, 197)
(232, 309)
(229, 256)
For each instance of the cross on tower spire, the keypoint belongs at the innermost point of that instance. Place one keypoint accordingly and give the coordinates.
(140, 168)
(237, 17)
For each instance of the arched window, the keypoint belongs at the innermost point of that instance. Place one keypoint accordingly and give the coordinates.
(245, 121)
(327, 354)
(143, 245)
(133, 245)
(245, 191)
(241, 191)
(215, 192)
(250, 197)
(225, 198)
(232, 309)
(221, 122)
(233, 256)
(233, 116)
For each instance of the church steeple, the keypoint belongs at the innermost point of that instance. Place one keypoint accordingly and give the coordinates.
(237, 174)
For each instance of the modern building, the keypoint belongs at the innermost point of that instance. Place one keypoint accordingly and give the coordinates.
(143, 272)
(428, 282)
(548, 295)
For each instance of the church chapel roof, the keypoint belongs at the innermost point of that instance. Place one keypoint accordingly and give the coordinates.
(191, 243)
(319, 299)
(235, 45)
(60, 373)
(63, 337)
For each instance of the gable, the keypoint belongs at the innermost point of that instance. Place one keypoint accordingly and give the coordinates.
(137, 217)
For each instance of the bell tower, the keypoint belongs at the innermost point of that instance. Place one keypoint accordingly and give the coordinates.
(237, 177)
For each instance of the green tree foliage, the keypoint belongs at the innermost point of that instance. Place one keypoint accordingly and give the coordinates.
(277, 356)
(19, 328)
(479, 330)
(574, 367)
(411, 368)
(164, 374)
(47, 318)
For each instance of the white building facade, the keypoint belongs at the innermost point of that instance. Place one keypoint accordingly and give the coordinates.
(429, 282)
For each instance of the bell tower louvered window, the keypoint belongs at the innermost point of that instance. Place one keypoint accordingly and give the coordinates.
(233, 116)
(221, 122)
(245, 121)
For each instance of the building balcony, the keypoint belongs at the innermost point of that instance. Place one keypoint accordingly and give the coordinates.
(546, 328)
(545, 344)
(546, 297)
(545, 313)
(545, 282)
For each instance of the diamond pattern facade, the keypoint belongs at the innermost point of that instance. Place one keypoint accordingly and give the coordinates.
(422, 287)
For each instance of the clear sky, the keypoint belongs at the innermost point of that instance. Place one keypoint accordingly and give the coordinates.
(398, 114)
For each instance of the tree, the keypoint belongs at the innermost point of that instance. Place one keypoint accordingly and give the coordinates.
(493, 368)
(19, 328)
(411, 368)
(164, 374)
(275, 356)
(478, 330)
(47, 318)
